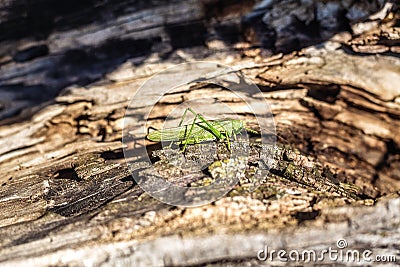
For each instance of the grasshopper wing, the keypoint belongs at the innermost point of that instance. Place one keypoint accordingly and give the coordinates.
(178, 134)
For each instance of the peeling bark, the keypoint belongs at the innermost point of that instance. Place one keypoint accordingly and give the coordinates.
(67, 196)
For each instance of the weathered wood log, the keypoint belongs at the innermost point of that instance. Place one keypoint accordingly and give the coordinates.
(67, 196)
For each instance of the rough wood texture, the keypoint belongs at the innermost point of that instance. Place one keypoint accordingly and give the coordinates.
(66, 195)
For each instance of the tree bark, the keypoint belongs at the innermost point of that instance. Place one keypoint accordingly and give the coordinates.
(67, 196)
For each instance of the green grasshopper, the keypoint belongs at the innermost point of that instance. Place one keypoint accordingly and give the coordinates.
(200, 130)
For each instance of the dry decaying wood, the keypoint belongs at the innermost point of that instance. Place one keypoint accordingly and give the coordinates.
(67, 198)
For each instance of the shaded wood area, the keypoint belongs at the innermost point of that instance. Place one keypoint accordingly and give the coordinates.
(67, 196)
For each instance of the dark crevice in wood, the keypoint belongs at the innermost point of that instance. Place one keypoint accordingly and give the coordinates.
(188, 34)
(326, 92)
(274, 87)
(302, 216)
(68, 173)
(110, 155)
(221, 8)
(312, 109)
(31, 53)
(390, 150)
(74, 190)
